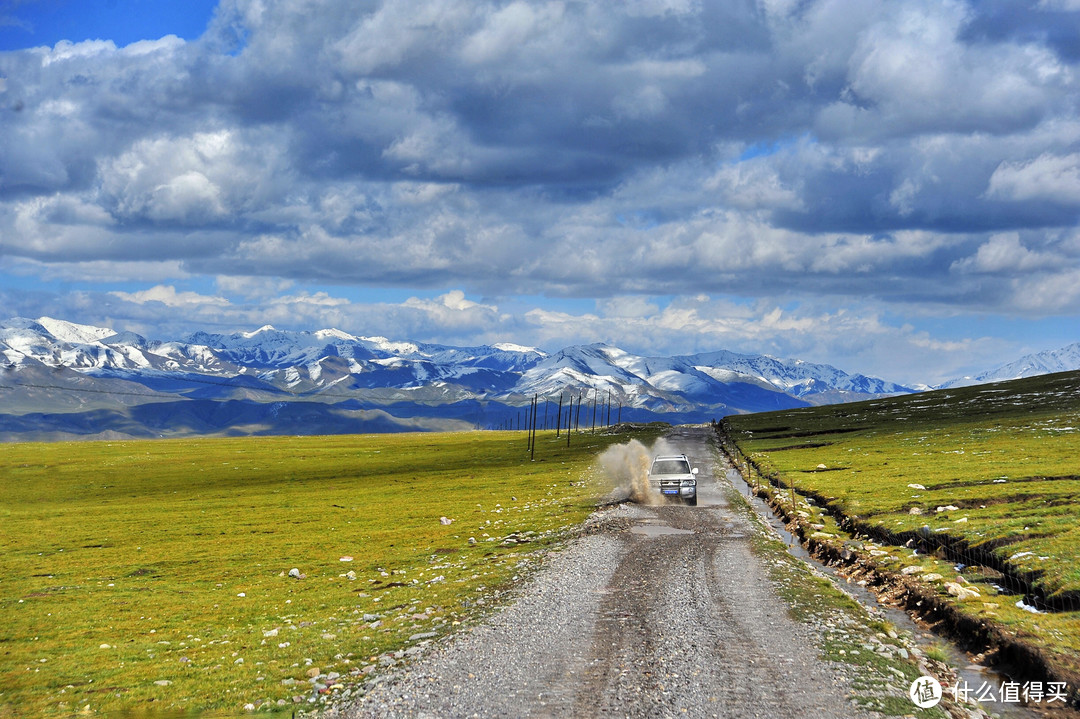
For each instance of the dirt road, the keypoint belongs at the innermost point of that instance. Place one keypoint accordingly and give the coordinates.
(662, 611)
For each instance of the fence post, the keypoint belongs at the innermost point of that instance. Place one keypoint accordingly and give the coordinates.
(558, 418)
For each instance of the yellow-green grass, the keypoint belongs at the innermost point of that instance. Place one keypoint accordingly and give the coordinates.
(175, 554)
(1000, 468)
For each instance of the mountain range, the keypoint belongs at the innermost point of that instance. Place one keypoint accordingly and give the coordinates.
(1060, 360)
(60, 380)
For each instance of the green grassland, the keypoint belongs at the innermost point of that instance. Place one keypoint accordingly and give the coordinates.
(989, 474)
(154, 574)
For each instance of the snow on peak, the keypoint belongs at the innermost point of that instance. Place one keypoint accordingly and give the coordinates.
(264, 328)
(511, 347)
(1060, 360)
(381, 343)
(336, 334)
(74, 333)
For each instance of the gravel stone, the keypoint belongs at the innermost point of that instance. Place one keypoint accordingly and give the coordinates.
(676, 618)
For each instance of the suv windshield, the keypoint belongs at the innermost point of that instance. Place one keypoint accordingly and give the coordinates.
(670, 466)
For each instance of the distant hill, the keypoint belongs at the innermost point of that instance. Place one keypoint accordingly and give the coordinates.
(60, 379)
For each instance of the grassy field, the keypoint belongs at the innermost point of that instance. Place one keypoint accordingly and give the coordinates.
(984, 480)
(155, 574)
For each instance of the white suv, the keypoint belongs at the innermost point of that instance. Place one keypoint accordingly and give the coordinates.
(673, 478)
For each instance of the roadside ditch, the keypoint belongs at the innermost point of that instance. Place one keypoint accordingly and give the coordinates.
(980, 652)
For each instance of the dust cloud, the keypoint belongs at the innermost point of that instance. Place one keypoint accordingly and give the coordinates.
(626, 468)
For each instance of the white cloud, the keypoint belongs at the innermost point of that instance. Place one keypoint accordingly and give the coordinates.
(1047, 177)
(398, 29)
(168, 296)
(911, 72)
(452, 311)
(1004, 253)
(811, 153)
(167, 45)
(252, 287)
(849, 338)
(507, 30)
(754, 185)
(1046, 293)
(66, 50)
(194, 179)
(95, 272)
(628, 306)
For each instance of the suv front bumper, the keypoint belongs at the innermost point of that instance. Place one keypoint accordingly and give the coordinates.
(675, 488)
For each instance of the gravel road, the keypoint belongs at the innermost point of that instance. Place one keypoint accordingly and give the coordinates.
(660, 611)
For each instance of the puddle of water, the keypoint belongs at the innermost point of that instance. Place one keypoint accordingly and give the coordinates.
(975, 675)
(657, 530)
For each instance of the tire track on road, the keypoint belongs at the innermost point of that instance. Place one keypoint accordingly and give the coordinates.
(666, 611)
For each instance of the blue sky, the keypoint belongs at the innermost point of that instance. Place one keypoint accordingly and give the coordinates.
(892, 188)
(29, 23)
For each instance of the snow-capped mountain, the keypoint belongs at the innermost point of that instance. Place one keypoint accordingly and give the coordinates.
(333, 372)
(708, 380)
(1060, 360)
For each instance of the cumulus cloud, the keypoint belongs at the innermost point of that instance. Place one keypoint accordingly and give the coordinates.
(453, 311)
(1047, 177)
(911, 71)
(168, 296)
(1005, 254)
(847, 337)
(198, 179)
(633, 306)
(252, 287)
(776, 151)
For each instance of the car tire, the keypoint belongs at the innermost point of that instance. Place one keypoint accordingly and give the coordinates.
(692, 501)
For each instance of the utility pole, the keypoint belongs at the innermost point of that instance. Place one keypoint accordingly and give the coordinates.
(569, 419)
(595, 393)
(558, 419)
(536, 404)
(528, 426)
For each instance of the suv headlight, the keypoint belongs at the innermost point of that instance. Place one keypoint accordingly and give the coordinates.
(689, 483)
